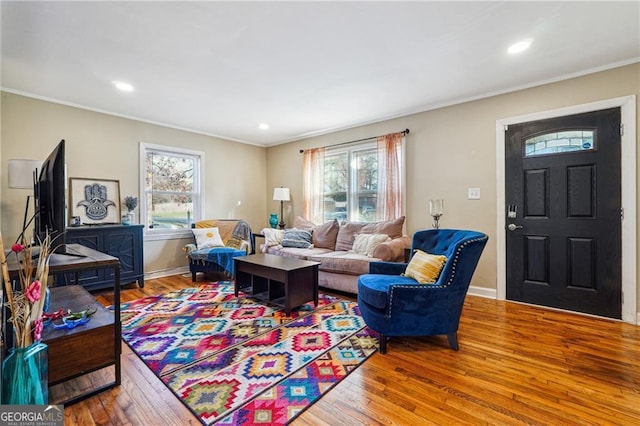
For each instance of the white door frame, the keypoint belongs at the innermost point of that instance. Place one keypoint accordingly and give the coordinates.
(628, 174)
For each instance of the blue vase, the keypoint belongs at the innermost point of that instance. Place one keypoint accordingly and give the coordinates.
(273, 220)
(47, 300)
(25, 373)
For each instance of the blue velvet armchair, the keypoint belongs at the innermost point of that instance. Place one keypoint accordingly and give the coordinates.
(395, 305)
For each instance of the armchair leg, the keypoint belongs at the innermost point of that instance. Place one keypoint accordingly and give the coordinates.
(193, 276)
(453, 340)
(383, 343)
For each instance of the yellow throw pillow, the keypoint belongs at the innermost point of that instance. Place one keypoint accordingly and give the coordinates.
(424, 267)
(207, 237)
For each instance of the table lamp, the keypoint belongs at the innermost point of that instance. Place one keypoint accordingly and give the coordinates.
(23, 175)
(281, 194)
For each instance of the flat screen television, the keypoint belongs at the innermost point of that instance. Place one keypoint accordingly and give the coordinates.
(50, 199)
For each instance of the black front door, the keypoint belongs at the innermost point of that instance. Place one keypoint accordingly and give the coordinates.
(563, 215)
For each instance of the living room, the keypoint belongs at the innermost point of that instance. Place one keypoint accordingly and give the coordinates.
(450, 148)
(105, 146)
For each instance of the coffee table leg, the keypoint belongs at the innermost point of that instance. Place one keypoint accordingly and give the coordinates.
(287, 296)
(235, 278)
(315, 286)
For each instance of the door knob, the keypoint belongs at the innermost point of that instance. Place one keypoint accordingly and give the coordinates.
(513, 227)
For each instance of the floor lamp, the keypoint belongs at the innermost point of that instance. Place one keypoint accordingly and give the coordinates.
(22, 175)
(281, 194)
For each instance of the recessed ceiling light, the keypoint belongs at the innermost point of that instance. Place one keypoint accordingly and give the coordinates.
(520, 46)
(121, 85)
(263, 126)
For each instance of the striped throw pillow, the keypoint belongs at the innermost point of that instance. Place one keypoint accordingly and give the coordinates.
(299, 238)
(424, 267)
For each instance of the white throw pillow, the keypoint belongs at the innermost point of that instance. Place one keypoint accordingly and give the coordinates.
(207, 237)
(272, 237)
(367, 243)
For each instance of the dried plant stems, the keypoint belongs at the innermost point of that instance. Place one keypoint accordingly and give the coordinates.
(42, 274)
(25, 314)
(5, 275)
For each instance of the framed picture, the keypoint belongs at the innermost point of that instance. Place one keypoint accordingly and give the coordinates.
(95, 201)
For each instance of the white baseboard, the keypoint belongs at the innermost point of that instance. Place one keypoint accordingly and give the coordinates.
(166, 272)
(489, 293)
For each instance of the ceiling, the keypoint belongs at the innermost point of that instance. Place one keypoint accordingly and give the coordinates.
(305, 68)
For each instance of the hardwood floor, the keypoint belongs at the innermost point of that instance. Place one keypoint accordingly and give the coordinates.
(517, 364)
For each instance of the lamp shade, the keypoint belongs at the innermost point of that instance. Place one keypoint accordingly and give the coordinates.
(281, 194)
(21, 173)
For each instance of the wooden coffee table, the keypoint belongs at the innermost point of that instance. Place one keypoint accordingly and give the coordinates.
(283, 281)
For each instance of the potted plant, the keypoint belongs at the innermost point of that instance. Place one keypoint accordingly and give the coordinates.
(130, 203)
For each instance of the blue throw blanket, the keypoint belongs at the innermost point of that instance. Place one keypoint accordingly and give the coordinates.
(222, 256)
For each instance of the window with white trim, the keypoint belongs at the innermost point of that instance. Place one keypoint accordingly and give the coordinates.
(351, 183)
(171, 188)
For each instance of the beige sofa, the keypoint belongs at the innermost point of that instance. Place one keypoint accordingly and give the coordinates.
(342, 261)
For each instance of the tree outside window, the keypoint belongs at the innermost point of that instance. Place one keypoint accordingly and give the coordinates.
(351, 183)
(361, 182)
(171, 188)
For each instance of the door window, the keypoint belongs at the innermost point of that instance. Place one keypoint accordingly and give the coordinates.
(559, 141)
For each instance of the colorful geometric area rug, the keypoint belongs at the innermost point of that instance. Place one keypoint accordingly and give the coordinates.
(238, 361)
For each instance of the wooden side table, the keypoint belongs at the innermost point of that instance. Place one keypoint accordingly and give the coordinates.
(407, 255)
(83, 259)
(85, 348)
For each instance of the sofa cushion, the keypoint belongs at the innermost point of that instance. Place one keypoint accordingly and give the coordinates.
(207, 237)
(298, 253)
(325, 235)
(348, 231)
(367, 243)
(343, 262)
(347, 234)
(393, 251)
(393, 228)
(301, 223)
(424, 267)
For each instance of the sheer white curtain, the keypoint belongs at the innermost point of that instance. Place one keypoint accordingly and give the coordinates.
(390, 204)
(390, 196)
(313, 185)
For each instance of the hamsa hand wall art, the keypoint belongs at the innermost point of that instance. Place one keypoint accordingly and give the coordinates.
(96, 201)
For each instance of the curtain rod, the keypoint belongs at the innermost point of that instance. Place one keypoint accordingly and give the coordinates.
(405, 132)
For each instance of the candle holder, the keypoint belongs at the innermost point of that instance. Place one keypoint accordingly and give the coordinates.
(436, 210)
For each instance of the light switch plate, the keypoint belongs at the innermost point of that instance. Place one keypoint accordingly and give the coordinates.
(473, 193)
